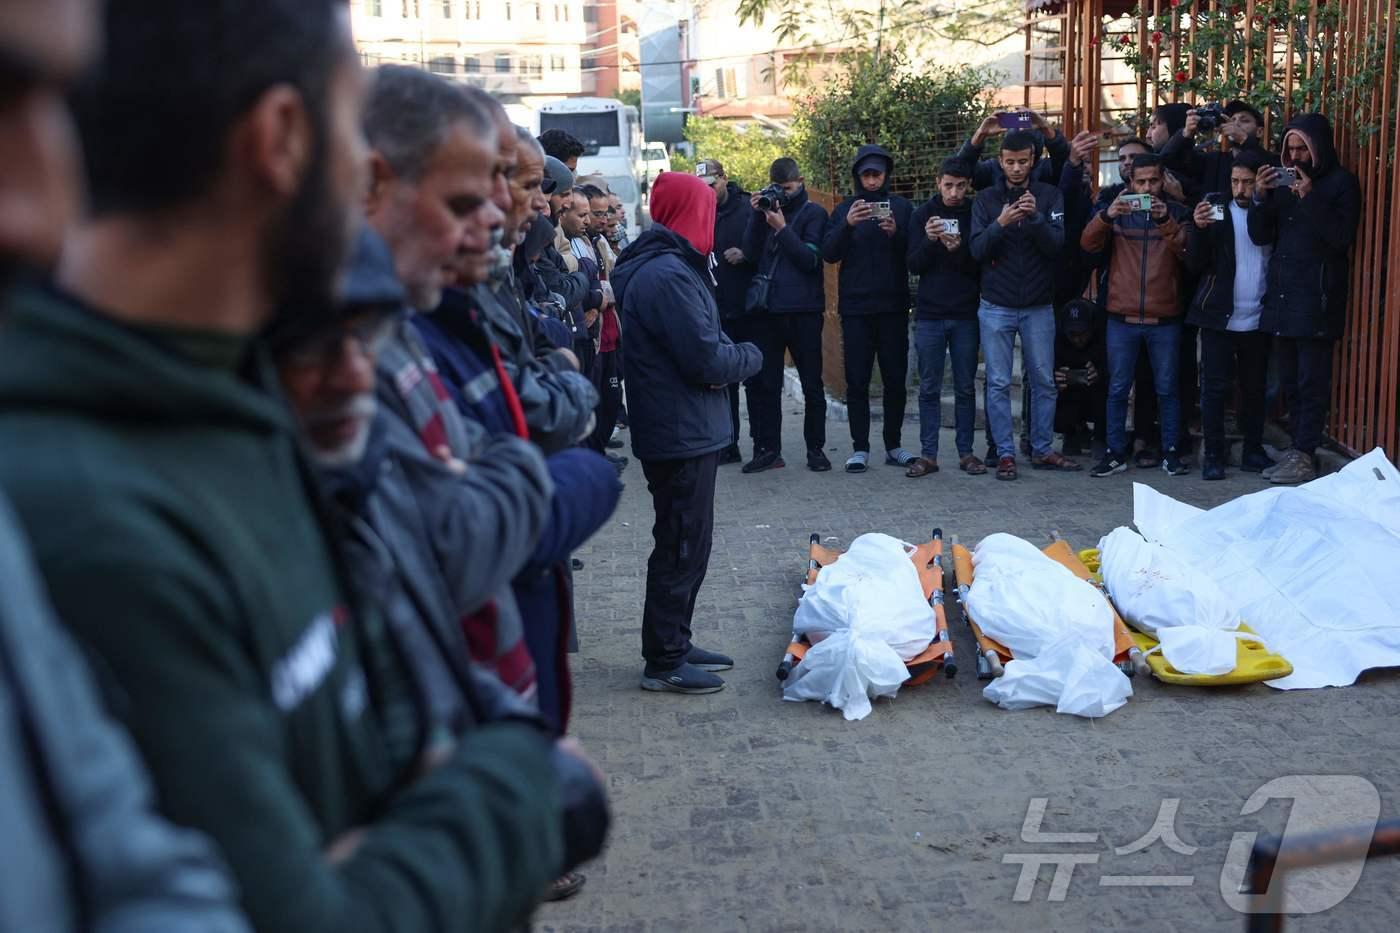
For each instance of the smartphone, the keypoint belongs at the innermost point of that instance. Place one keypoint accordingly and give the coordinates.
(879, 209)
(1288, 177)
(950, 226)
(1014, 120)
(1139, 202)
(1015, 194)
(1077, 377)
(1217, 205)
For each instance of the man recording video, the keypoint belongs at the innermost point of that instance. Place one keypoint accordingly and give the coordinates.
(1145, 242)
(1239, 127)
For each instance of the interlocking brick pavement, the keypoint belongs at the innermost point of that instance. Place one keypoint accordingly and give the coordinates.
(738, 811)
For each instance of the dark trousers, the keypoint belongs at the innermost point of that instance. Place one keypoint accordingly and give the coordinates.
(743, 330)
(683, 495)
(1227, 356)
(864, 339)
(607, 379)
(1076, 407)
(1305, 375)
(800, 334)
(585, 350)
(1188, 375)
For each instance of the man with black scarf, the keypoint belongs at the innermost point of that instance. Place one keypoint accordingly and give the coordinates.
(874, 300)
(1312, 225)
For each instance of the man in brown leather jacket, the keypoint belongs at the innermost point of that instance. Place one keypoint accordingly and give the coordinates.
(1144, 239)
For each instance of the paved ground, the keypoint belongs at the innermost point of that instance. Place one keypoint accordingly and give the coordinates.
(738, 811)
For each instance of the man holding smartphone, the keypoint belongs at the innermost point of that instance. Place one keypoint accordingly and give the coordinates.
(1210, 167)
(1145, 243)
(1018, 237)
(866, 235)
(1311, 222)
(1226, 308)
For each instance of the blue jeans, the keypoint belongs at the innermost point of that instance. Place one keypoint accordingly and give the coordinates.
(1037, 329)
(1163, 342)
(935, 340)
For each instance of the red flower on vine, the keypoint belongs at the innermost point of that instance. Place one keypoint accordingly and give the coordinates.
(1176, 3)
(1180, 77)
(1157, 38)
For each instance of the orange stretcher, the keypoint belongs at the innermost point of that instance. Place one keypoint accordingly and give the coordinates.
(992, 654)
(928, 560)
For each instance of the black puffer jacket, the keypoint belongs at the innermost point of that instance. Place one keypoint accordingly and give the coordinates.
(949, 283)
(1306, 294)
(874, 278)
(731, 223)
(1019, 262)
(676, 360)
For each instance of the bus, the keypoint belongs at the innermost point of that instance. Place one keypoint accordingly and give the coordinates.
(611, 131)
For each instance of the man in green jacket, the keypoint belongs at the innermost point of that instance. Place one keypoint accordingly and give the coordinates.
(167, 500)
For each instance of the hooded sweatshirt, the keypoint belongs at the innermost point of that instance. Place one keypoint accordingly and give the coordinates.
(791, 257)
(1306, 290)
(732, 280)
(874, 277)
(685, 205)
(169, 512)
(676, 360)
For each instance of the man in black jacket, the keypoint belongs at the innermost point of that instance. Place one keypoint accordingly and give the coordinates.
(1209, 168)
(1018, 238)
(785, 241)
(867, 235)
(1227, 308)
(945, 315)
(1312, 224)
(678, 362)
(1081, 375)
(733, 272)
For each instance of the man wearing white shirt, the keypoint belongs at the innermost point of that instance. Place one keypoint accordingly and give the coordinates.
(1226, 307)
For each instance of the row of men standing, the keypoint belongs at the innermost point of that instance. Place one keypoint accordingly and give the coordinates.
(1008, 246)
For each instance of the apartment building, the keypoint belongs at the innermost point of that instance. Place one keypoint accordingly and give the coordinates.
(523, 50)
(612, 49)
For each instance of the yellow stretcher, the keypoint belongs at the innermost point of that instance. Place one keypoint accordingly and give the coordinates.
(1254, 662)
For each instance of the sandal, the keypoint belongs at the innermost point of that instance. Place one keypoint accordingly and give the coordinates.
(1055, 461)
(921, 466)
(565, 886)
(1006, 468)
(972, 465)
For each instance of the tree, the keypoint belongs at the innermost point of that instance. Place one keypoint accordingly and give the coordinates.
(745, 151)
(630, 96)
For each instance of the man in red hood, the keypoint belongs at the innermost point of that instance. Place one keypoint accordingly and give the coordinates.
(677, 363)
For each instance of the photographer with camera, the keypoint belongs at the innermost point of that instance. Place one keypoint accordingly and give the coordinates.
(1144, 241)
(1226, 309)
(867, 234)
(1308, 210)
(1018, 238)
(1051, 149)
(1209, 167)
(788, 297)
(945, 313)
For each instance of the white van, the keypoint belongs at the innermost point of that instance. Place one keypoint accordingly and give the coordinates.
(654, 161)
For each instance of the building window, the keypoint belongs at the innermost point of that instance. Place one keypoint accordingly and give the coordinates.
(556, 63)
(472, 9)
(532, 66)
(446, 9)
(725, 85)
(502, 64)
(508, 10)
(446, 65)
(538, 15)
(590, 14)
(471, 65)
(410, 7)
(376, 7)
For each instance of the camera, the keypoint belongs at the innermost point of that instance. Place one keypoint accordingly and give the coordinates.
(950, 226)
(772, 198)
(1139, 202)
(1209, 117)
(1287, 177)
(879, 210)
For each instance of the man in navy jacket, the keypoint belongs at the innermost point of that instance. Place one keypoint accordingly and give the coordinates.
(786, 243)
(677, 363)
(867, 235)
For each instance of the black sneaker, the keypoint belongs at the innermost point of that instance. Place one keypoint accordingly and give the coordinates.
(616, 443)
(816, 461)
(1173, 465)
(619, 463)
(730, 455)
(1110, 464)
(708, 660)
(1256, 461)
(685, 679)
(1212, 469)
(764, 460)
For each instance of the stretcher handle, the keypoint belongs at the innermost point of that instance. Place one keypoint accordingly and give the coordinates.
(785, 668)
(950, 661)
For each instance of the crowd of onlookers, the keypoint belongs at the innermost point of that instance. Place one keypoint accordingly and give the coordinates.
(1172, 291)
(308, 379)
